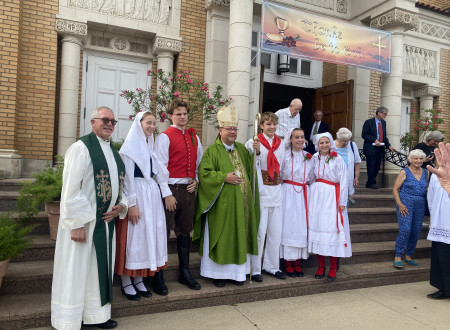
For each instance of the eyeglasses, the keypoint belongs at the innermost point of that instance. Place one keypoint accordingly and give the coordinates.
(107, 120)
(230, 129)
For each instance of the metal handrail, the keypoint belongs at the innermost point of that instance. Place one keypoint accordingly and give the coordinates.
(392, 156)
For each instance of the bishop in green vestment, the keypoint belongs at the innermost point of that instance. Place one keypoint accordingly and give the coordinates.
(227, 215)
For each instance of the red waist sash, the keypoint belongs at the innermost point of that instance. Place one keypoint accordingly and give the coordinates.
(337, 193)
(305, 196)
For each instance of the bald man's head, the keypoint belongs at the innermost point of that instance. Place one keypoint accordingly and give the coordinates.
(295, 107)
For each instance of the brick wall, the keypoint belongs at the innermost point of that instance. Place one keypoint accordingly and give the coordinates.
(333, 73)
(9, 70)
(443, 101)
(28, 79)
(443, 4)
(374, 93)
(193, 23)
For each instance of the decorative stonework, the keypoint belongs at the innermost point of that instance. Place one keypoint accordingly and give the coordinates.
(341, 6)
(434, 30)
(154, 11)
(419, 61)
(117, 43)
(70, 27)
(224, 3)
(166, 44)
(427, 90)
(395, 17)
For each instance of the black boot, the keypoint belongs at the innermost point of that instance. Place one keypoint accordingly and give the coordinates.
(185, 276)
(158, 284)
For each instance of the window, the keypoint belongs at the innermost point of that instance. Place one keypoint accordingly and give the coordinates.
(254, 39)
(293, 65)
(265, 60)
(254, 58)
(305, 68)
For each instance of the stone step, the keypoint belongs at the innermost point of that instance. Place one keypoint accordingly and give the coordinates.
(374, 200)
(359, 215)
(43, 248)
(40, 220)
(361, 190)
(36, 276)
(33, 310)
(13, 184)
(375, 232)
(8, 200)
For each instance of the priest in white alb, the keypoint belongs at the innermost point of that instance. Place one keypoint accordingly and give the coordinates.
(91, 200)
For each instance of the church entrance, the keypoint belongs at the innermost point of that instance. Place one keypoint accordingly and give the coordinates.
(105, 76)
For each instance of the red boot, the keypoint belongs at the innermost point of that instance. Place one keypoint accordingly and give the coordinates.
(321, 269)
(333, 268)
(288, 268)
(297, 269)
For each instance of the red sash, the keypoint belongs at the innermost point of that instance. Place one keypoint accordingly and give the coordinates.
(337, 190)
(272, 161)
(305, 196)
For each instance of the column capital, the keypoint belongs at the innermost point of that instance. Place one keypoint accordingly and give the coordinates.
(222, 3)
(72, 31)
(427, 91)
(396, 18)
(164, 45)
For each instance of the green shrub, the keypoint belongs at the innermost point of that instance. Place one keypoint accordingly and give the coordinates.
(13, 240)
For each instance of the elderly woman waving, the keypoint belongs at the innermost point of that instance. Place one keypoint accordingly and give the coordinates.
(410, 190)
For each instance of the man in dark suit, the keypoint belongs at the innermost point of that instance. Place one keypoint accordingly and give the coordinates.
(375, 141)
(316, 127)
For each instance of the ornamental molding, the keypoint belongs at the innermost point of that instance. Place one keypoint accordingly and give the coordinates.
(432, 29)
(153, 11)
(71, 27)
(420, 61)
(118, 44)
(341, 6)
(222, 3)
(396, 17)
(161, 44)
(426, 91)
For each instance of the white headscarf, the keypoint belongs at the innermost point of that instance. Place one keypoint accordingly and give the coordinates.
(328, 135)
(139, 149)
(287, 139)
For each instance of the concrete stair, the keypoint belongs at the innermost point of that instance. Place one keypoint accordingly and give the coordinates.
(25, 292)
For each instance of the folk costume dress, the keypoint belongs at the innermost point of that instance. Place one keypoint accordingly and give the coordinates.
(268, 165)
(328, 232)
(226, 221)
(439, 234)
(82, 286)
(296, 172)
(141, 247)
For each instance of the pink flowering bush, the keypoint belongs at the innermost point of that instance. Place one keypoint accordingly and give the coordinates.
(203, 102)
(429, 121)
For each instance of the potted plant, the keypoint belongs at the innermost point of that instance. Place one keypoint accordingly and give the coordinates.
(44, 191)
(12, 241)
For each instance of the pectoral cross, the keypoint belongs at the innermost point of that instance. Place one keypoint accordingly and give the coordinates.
(379, 45)
(104, 186)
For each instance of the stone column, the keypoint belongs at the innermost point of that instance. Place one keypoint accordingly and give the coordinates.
(426, 95)
(74, 35)
(396, 21)
(164, 49)
(361, 88)
(239, 56)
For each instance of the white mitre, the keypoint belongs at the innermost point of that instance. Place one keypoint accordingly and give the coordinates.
(228, 116)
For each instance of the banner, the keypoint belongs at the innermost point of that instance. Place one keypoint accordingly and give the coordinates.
(295, 33)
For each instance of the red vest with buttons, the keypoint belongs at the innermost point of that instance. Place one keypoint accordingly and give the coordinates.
(182, 153)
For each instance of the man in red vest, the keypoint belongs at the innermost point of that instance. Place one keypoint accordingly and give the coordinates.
(180, 150)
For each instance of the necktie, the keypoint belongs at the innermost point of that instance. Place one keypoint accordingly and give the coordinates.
(380, 132)
(315, 128)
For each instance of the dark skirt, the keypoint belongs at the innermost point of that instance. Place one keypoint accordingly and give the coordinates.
(440, 267)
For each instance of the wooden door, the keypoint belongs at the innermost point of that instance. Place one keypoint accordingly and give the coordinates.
(336, 103)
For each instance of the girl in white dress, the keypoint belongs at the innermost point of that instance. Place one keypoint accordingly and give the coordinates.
(296, 172)
(329, 193)
(142, 239)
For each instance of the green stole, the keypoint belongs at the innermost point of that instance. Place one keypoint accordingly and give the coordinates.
(103, 194)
